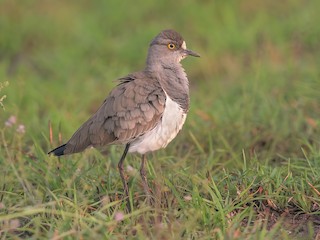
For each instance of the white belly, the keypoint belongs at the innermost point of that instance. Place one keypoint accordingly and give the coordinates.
(171, 123)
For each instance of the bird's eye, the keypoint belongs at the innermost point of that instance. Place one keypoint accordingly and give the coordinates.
(171, 46)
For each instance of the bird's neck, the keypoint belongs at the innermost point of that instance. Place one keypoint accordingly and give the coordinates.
(173, 80)
(158, 64)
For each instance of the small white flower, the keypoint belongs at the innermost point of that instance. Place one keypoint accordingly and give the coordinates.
(11, 121)
(21, 129)
(130, 168)
(187, 198)
(14, 224)
(119, 216)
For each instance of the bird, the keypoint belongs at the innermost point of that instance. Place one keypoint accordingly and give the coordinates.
(144, 112)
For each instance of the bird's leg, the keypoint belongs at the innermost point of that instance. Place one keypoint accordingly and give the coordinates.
(124, 182)
(144, 178)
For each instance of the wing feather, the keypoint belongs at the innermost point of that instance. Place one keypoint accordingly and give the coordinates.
(134, 107)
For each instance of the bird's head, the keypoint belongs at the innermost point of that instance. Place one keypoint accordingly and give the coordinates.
(168, 47)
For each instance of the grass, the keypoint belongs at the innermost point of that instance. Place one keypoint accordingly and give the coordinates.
(245, 166)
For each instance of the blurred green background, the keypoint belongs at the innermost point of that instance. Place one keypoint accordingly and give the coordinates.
(61, 59)
(254, 98)
(258, 69)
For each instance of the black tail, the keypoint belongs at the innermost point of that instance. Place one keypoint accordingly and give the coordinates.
(58, 151)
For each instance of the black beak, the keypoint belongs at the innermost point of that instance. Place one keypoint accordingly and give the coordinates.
(191, 53)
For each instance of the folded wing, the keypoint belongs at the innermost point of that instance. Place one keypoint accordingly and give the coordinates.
(134, 107)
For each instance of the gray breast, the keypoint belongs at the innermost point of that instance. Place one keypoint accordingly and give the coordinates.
(174, 82)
